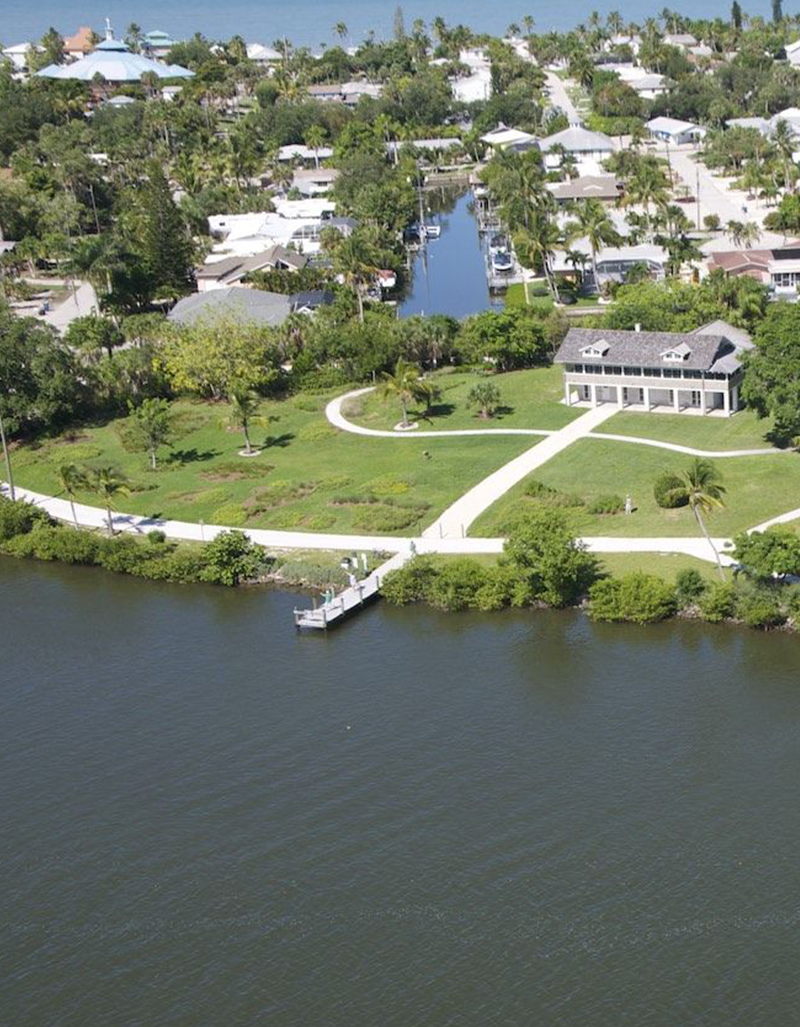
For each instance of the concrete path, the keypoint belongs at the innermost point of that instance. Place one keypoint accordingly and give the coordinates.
(183, 531)
(715, 454)
(333, 411)
(456, 519)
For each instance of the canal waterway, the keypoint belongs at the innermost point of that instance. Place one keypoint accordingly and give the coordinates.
(448, 274)
(421, 818)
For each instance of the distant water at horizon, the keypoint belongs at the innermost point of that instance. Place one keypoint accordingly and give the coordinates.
(310, 22)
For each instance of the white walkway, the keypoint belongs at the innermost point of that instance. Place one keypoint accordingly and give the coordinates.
(560, 97)
(333, 411)
(83, 302)
(183, 531)
(456, 519)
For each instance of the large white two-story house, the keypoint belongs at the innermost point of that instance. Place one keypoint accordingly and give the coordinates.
(699, 372)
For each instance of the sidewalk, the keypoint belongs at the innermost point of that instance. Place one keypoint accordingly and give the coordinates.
(455, 521)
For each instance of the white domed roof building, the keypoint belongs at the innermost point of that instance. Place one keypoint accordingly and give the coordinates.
(113, 61)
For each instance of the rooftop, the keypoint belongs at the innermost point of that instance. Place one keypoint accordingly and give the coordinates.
(699, 351)
(232, 303)
(577, 139)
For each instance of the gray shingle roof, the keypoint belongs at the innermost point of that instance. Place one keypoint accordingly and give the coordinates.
(646, 349)
(250, 306)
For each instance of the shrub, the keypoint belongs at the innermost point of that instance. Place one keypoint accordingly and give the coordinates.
(543, 549)
(230, 558)
(689, 586)
(409, 584)
(759, 608)
(124, 555)
(156, 538)
(669, 491)
(793, 604)
(18, 517)
(717, 602)
(606, 504)
(381, 517)
(552, 497)
(316, 432)
(639, 598)
(230, 514)
(502, 586)
(184, 565)
(456, 584)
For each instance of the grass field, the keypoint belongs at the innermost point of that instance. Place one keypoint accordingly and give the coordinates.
(309, 476)
(665, 565)
(515, 297)
(530, 399)
(743, 431)
(758, 487)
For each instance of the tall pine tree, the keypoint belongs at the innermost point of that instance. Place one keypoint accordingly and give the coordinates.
(164, 244)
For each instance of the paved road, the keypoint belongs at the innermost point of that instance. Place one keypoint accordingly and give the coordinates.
(82, 302)
(560, 97)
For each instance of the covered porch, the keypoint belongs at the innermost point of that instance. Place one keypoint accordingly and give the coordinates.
(651, 399)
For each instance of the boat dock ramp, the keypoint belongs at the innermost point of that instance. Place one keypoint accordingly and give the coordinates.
(336, 609)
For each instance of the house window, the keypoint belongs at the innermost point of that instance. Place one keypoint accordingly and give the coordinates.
(592, 369)
(632, 372)
(652, 372)
(612, 370)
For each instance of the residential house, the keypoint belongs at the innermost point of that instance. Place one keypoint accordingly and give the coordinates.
(683, 40)
(762, 125)
(589, 148)
(430, 147)
(348, 93)
(77, 46)
(18, 54)
(158, 43)
(314, 181)
(221, 273)
(264, 55)
(246, 306)
(605, 188)
(777, 267)
(296, 224)
(698, 372)
(504, 138)
(674, 131)
(793, 53)
(297, 152)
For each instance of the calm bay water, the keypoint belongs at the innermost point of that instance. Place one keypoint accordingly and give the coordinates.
(449, 273)
(420, 819)
(310, 22)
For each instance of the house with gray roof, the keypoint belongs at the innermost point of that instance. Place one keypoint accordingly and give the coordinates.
(232, 303)
(698, 372)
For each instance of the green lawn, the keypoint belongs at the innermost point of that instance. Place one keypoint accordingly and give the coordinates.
(532, 399)
(309, 476)
(515, 297)
(742, 431)
(665, 565)
(758, 487)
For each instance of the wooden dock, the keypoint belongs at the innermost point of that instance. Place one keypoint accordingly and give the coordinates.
(351, 600)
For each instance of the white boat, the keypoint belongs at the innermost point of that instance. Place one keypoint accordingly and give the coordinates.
(432, 231)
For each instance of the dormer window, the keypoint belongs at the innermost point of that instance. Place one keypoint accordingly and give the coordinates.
(677, 354)
(595, 349)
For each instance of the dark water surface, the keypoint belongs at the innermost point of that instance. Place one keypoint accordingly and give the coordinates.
(421, 819)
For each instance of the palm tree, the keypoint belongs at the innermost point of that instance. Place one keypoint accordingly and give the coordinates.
(403, 385)
(594, 224)
(108, 483)
(244, 404)
(702, 490)
(486, 397)
(315, 140)
(7, 456)
(648, 188)
(72, 478)
(355, 259)
(783, 139)
(536, 247)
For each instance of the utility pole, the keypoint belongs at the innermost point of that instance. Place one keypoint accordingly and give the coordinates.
(697, 192)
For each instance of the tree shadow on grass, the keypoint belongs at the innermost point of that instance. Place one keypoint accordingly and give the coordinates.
(281, 441)
(437, 410)
(190, 456)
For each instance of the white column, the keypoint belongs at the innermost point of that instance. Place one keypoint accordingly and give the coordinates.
(726, 401)
(646, 391)
(676, 399)
(620, 402)
(594, 395)
(735, 399)
(702, 401)
(567, 399)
